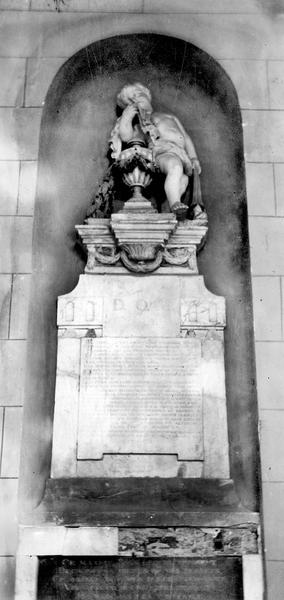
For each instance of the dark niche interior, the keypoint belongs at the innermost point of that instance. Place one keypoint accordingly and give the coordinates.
(78, 116)
(112, 578)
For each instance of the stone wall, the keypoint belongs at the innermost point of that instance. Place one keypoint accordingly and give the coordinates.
(247, 38)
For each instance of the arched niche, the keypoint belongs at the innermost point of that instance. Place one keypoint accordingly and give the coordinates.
(78, 115)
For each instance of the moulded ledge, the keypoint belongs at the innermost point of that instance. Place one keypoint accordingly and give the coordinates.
(141, 502)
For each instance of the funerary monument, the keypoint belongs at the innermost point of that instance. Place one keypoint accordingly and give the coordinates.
(140, 338)
(140, 435)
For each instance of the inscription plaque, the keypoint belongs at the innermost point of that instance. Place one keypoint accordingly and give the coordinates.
(140, 396)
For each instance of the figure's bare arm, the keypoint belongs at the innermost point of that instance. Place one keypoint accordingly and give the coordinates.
(126, 130)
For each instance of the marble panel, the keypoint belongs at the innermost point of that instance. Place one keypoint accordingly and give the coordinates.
(198, 306)
(68, 541)
(253, 577)
(260, 189)
(267, 308)
(9, 182)
(140, 396)
(216, 445)
(26, 578)
(135, 307)
(269, 366)
(27, 187)
(129, 465)
(12, 81)
(12, 438)
(267, 248)
(15, 244)
(66, 408)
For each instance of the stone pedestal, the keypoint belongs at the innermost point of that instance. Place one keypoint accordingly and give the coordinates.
(140, 389)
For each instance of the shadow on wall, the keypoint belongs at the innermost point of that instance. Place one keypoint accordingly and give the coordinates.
(78, 116)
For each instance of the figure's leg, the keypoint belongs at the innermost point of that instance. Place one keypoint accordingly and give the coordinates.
(183, 184)
(175, 183)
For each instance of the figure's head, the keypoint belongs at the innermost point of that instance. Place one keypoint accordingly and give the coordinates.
(135, 93)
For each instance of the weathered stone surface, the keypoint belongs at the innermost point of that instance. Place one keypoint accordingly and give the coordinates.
(275, 579)
(279, 189)
(68, 541)
(272, 444)
(273, 505)
(142, 502)
(14, 4)
(260, 189)
(267, 308)
(267, 258)
(27, 187)
(15, 244)
(200, 6)
(12, 360)
(12, 81)
(276, 83)
(9, 182)
(250, 81)
(5, 300)
(19, 307)
(7, 575)
(8, 516)
(188, 541)
(12, 442)
(19, 133)
(40, 73)
(269, 366)
(91, 5)
(233, 35)
(263, 135)
(1, 426)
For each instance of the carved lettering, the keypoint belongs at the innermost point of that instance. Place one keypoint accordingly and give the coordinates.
(118, 304)
(140, 396)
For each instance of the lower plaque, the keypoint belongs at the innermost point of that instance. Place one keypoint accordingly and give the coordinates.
(115, 578)
(140, 396)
